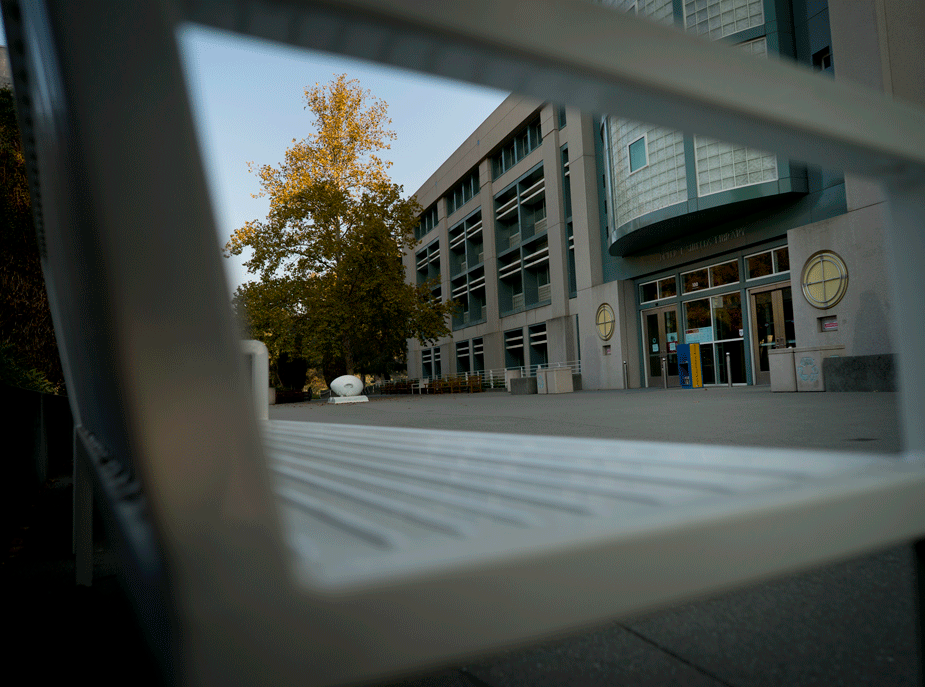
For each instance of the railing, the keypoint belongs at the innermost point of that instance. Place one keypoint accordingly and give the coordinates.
(490, 379)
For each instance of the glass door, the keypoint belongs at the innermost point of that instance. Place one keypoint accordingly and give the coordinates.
(660, 329)
(772, 326)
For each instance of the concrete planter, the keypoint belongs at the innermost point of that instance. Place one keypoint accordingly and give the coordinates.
(523, 385)
(559, 381)
(508, 376)
(783, 374)
(807, 366)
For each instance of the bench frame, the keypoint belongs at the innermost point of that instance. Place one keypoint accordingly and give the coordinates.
(153, 367)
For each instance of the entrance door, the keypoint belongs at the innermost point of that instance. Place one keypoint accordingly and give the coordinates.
(772, 326)
(660, 327)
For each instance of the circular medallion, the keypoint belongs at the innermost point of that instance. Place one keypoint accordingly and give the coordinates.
(825, 279)
(605, 321)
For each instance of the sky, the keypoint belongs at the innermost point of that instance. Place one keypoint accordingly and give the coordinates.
(248, 100)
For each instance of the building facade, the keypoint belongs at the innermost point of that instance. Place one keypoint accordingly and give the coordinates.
(603, 243)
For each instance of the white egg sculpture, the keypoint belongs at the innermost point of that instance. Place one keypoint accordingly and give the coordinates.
(347, 385)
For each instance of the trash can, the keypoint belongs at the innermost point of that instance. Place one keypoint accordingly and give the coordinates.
(689, 369)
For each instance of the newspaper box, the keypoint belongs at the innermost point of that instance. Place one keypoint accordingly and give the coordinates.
(689, 369)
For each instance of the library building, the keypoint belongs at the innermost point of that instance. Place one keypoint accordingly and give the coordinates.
(601, 244)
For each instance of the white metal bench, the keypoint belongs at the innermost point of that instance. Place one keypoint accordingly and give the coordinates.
(276, 553)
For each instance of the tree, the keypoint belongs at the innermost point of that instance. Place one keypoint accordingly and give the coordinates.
(332, 286)
(27, 334)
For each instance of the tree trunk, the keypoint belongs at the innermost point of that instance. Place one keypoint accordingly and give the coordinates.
(348, 355)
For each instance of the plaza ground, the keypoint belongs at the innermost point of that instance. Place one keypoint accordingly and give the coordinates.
(850, 623)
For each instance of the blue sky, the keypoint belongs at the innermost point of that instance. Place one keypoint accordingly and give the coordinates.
(248, 101)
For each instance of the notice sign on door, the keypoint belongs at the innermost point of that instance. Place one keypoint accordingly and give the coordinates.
(830, 325)
(699, 335)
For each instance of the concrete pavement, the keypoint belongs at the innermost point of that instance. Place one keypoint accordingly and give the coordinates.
(850, 623)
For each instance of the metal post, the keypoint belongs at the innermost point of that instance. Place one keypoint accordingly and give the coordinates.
(728, 370)
(626, 382)
(665, 372)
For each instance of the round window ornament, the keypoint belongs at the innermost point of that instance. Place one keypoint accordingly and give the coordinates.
(825, 279)
(605, 321)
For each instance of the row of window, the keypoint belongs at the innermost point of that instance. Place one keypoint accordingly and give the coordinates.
(428, 221)
(463, 192)
(522, 144)
(758, 265)
(470, 354)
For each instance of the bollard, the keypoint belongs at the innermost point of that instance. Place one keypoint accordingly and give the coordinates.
(728, 370)
(665, 372)
(626, 383)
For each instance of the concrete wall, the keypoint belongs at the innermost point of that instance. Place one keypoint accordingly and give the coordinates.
(598, 370)
(879, 44)
(864, 313)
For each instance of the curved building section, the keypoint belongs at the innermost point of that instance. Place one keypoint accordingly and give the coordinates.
(647, 168)
(663, 184)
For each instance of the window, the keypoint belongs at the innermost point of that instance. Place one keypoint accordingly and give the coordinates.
(657, 290)
(469, 292)
(539, 354)
(822, 60)
(566, 184)
(428, 267)
(560, 111)
(430, 363)
(709, 277)
(637, 155)
(767, 263)
(428, 222)
(825, 279)
(718, 18)
(696, 280)
(514, 348)
(466, 244)
(463, 192)
(725, 273)
(524, 142)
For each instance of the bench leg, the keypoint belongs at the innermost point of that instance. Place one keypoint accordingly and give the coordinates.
(83, 519)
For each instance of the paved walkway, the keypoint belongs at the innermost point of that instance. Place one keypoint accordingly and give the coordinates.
(746, 416)
(851, 623)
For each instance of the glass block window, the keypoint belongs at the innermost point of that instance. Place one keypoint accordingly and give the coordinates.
(637, 155)
(661, 183)
(757, 47)
(723, 166)
(620, 5)
(661, 11)
(719, 18)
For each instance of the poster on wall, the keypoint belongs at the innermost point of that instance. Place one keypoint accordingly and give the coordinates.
(699, 335)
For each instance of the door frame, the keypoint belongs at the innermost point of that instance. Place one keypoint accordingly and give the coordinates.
(651, 380)
(759, 377)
